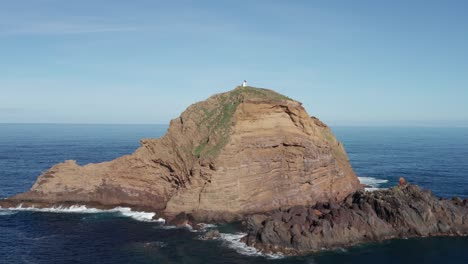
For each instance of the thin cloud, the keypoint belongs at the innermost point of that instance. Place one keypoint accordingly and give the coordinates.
(62, 27)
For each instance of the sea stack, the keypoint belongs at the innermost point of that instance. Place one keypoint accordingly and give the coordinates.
(246, 151)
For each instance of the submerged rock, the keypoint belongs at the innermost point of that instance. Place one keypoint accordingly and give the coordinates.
(182, 220)
(400, 212)
(211, 234)
(402, 181)
(246, 151)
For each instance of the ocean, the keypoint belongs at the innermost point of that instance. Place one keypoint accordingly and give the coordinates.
(434, 158)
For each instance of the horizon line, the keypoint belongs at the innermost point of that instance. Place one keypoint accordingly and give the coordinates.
(167, 124)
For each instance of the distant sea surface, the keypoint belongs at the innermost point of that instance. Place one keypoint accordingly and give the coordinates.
(434, 158)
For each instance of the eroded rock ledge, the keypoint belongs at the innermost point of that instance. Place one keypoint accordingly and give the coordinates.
(400, 212)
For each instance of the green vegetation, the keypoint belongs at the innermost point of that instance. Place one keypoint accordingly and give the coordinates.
(217, 120)
(337, 150)
(260, 93)
(329, 137)
(327, 134)
(199, 149)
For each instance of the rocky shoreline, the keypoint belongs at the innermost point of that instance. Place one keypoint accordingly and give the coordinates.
(238, 156)
(182, 219)
(403, 211)
(363, 217)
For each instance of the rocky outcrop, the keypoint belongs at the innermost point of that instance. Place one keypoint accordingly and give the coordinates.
(211, 234)
(400, 212)
(245, 151)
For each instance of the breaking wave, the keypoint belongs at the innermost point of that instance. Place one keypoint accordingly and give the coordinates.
(6, 212)
(204, 226)
(201, 227)
(233, 241)
(82, 209)
(373, 183)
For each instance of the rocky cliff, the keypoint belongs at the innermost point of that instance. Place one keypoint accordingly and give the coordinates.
(401, 212)
(245, 151)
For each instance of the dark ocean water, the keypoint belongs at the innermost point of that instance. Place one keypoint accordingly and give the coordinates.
(435, 158)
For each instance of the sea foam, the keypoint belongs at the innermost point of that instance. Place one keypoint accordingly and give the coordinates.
(374, 183)
(6, 212)
(82, 209)
(233, 241)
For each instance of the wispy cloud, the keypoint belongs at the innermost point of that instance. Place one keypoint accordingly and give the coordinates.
(74, 25)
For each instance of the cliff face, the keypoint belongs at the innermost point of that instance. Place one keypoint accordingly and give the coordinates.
(245, 151)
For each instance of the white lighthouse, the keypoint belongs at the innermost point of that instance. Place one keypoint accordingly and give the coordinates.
(244, 83)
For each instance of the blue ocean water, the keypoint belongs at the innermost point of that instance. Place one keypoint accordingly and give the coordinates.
(435, 158)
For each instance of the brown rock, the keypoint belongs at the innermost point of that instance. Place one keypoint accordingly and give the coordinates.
(241, 152)
(317, 212)
(402, 182)
(257, 220)
(181, 220)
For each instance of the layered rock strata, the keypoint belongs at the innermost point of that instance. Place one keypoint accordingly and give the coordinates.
(245, 151)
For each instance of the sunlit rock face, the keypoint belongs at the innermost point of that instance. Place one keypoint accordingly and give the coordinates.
(245, 151)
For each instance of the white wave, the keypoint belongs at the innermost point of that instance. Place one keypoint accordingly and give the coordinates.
(201, 227)
(155, 244)
(137, 215)
(167, 227)
(373, 189)
(189, 228)
(124, 211)
(204, 226)
(341, 250)
(234, 241)
(374, 183)
(6, 212)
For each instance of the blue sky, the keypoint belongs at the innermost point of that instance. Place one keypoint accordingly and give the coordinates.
(349, 62)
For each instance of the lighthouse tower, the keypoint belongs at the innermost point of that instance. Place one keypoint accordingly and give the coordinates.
(244, 83)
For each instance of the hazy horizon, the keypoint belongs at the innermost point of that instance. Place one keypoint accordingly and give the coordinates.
(120, 62)
(409, 124)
